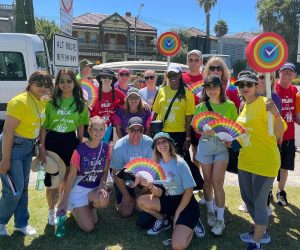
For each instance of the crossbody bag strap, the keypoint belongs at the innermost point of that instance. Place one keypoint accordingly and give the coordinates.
(208, 106)
(170, 106)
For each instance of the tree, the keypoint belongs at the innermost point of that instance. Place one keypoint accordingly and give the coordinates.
(207, 5)
(47, 29)
(221, 28)
(280, 16)
(25, 17)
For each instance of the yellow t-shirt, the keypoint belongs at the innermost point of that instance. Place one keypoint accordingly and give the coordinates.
(180, 109)
(29, 111)
(259, 153)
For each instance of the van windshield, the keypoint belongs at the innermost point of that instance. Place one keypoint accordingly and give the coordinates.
(12, 66)
(41, 60)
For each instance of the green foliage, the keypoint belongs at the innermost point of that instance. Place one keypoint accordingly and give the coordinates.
(238, 66)
(280, 16)
(207, 5)
(221, 28)
(296, 81)
(47, 29)
(25, 17)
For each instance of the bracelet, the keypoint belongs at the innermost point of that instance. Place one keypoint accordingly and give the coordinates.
(41, 145)
(187, 138)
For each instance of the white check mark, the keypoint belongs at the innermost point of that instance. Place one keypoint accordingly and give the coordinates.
(270, 52)
(169, 43)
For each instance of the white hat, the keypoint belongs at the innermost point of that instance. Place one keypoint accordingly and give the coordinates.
(174, 67)
(55, 169)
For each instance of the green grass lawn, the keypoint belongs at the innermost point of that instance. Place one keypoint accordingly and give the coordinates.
(115, 233)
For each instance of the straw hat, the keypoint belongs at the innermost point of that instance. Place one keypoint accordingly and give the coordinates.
(55, 168)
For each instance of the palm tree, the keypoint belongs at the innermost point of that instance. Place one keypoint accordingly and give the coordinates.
(221, 28)
(207, 6)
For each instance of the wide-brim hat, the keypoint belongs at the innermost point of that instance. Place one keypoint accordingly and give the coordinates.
(54, 166)
(106, 72)
(162, 135)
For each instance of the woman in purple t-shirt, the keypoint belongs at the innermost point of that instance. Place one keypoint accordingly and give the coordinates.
(85, 186)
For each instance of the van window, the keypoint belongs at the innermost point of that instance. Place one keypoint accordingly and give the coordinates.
(41, 60)
(12, 66)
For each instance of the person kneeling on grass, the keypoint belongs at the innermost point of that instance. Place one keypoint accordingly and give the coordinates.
(85, 186)
(174, 197)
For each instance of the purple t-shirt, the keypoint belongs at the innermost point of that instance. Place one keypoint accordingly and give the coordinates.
(117, 86)
(90, 163)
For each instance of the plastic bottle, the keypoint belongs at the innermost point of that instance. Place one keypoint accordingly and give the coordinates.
(40, 178)
(60, 224)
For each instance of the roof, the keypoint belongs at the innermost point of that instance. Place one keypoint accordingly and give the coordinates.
(247, 36)
(196, 32)
(95, 19)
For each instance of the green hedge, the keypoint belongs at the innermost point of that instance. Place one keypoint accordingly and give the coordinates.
(296, 81)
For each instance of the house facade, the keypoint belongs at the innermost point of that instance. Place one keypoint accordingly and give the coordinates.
(7, 18)
(109, 38)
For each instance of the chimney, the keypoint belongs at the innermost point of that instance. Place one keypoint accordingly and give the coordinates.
(128, 13)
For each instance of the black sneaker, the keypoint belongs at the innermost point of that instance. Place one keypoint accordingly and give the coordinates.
(270, 197)
(281, 198)
(253, 246)
(159, 226)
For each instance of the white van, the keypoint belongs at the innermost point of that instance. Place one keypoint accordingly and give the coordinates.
(20, 56)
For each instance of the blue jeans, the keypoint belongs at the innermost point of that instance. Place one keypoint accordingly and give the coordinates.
(10, 204)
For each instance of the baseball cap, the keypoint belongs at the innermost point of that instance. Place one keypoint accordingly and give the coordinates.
(212, 79)
(85, 62)
(174, 67)
(133, 91)
(250, 77)
(162, 135)
(135, 121)
(288, 66)
(123, 70)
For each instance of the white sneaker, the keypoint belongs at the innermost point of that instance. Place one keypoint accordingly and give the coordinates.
(27, 230)
(269, 211)
(52, 217)
(202, 201)
(243, 208)
(218, 227)
(211, 219)
(3, 231)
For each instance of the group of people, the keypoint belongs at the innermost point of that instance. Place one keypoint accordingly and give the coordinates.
(64, 125)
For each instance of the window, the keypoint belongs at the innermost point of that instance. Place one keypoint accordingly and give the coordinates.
(41, 60)
(12, 66)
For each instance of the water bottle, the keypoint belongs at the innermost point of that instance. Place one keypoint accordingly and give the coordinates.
(60, 224)
(40, 178)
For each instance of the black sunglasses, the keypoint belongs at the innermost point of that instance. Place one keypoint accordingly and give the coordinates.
(173, 75)
(213, 68)
(214, 86)
(149, 77)
(106, 77)
(62, 81)
(242, 85)
(261, 77)
(124, 74)
(43, 84)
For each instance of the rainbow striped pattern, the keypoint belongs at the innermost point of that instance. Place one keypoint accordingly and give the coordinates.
(203, 118)
(196, 87)
(90, 92)
(231, 85)
(149, 166)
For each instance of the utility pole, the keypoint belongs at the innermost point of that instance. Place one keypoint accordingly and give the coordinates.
(135, 21)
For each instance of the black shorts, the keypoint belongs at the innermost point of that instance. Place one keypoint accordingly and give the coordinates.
(287, 154)
(62, 144)
(188, 217)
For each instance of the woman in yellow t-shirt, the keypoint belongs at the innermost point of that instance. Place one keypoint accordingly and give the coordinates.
(259, 158)
(25, 115)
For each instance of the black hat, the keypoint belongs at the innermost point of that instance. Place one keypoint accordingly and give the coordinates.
(135, 121)
(249, 77)
(212, 79)
(106, 72)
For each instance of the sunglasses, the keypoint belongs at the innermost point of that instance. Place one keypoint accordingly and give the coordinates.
(173, 75)
(106, 77)
(149, 77)
(242, 85)
(196, 60)
(261, 77)
(68, 81)
(136, 130)
(211, 86)
(124, 74)
(43, 84)
(213, 68)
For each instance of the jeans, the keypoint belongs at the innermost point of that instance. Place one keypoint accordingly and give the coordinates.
(10, 204)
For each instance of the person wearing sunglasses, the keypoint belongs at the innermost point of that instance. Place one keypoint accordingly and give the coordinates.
(149, 92)
(66, 115)
(139, 83)
(109, 99)
(123, 80)
(25, 115)
(134, 145)
(86, 67)
(259, 158)
(212, 153)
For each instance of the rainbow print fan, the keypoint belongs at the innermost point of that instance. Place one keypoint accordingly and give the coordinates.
(231, 85)
(196, 87)
(226, 129)
(90, 92)
(147, 169)
(203, 118)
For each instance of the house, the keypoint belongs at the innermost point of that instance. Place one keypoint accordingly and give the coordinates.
(109, 38)
(7, 18)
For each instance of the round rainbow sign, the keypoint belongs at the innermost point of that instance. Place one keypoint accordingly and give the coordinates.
(267, 52)
(169, 44)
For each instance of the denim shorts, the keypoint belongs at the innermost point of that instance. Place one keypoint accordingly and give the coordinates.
(211, 149)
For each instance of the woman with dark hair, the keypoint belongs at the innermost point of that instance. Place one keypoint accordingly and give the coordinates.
(109, 97)
(25, 115)
(212, 153)
(66, 115)
(172, 198)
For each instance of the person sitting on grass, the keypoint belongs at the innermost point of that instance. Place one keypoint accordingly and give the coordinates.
(85, 190)
(172, 198)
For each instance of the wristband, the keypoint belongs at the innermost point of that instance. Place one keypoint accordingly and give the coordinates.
(187, 138)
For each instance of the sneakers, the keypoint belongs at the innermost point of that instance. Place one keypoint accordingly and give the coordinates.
(281, 198)
(202, 201)
(199, 229)
(248, 238)
(159, 226)
(253, 246)
(27, 230)
(211, 219)
(243, 208)
(3, 231)
(218, 227)
(52, 217)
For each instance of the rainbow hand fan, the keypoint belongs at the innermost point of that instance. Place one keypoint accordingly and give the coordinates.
(196, 87)
(226, 129)
(231, 85)
(203, 118)
(147, 169)
(90, 92)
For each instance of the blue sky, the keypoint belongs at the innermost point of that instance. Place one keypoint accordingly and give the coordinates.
(240, 15)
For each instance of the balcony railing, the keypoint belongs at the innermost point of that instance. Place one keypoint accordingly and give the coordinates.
(88, 45)
(141, 48)
(114, 47)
